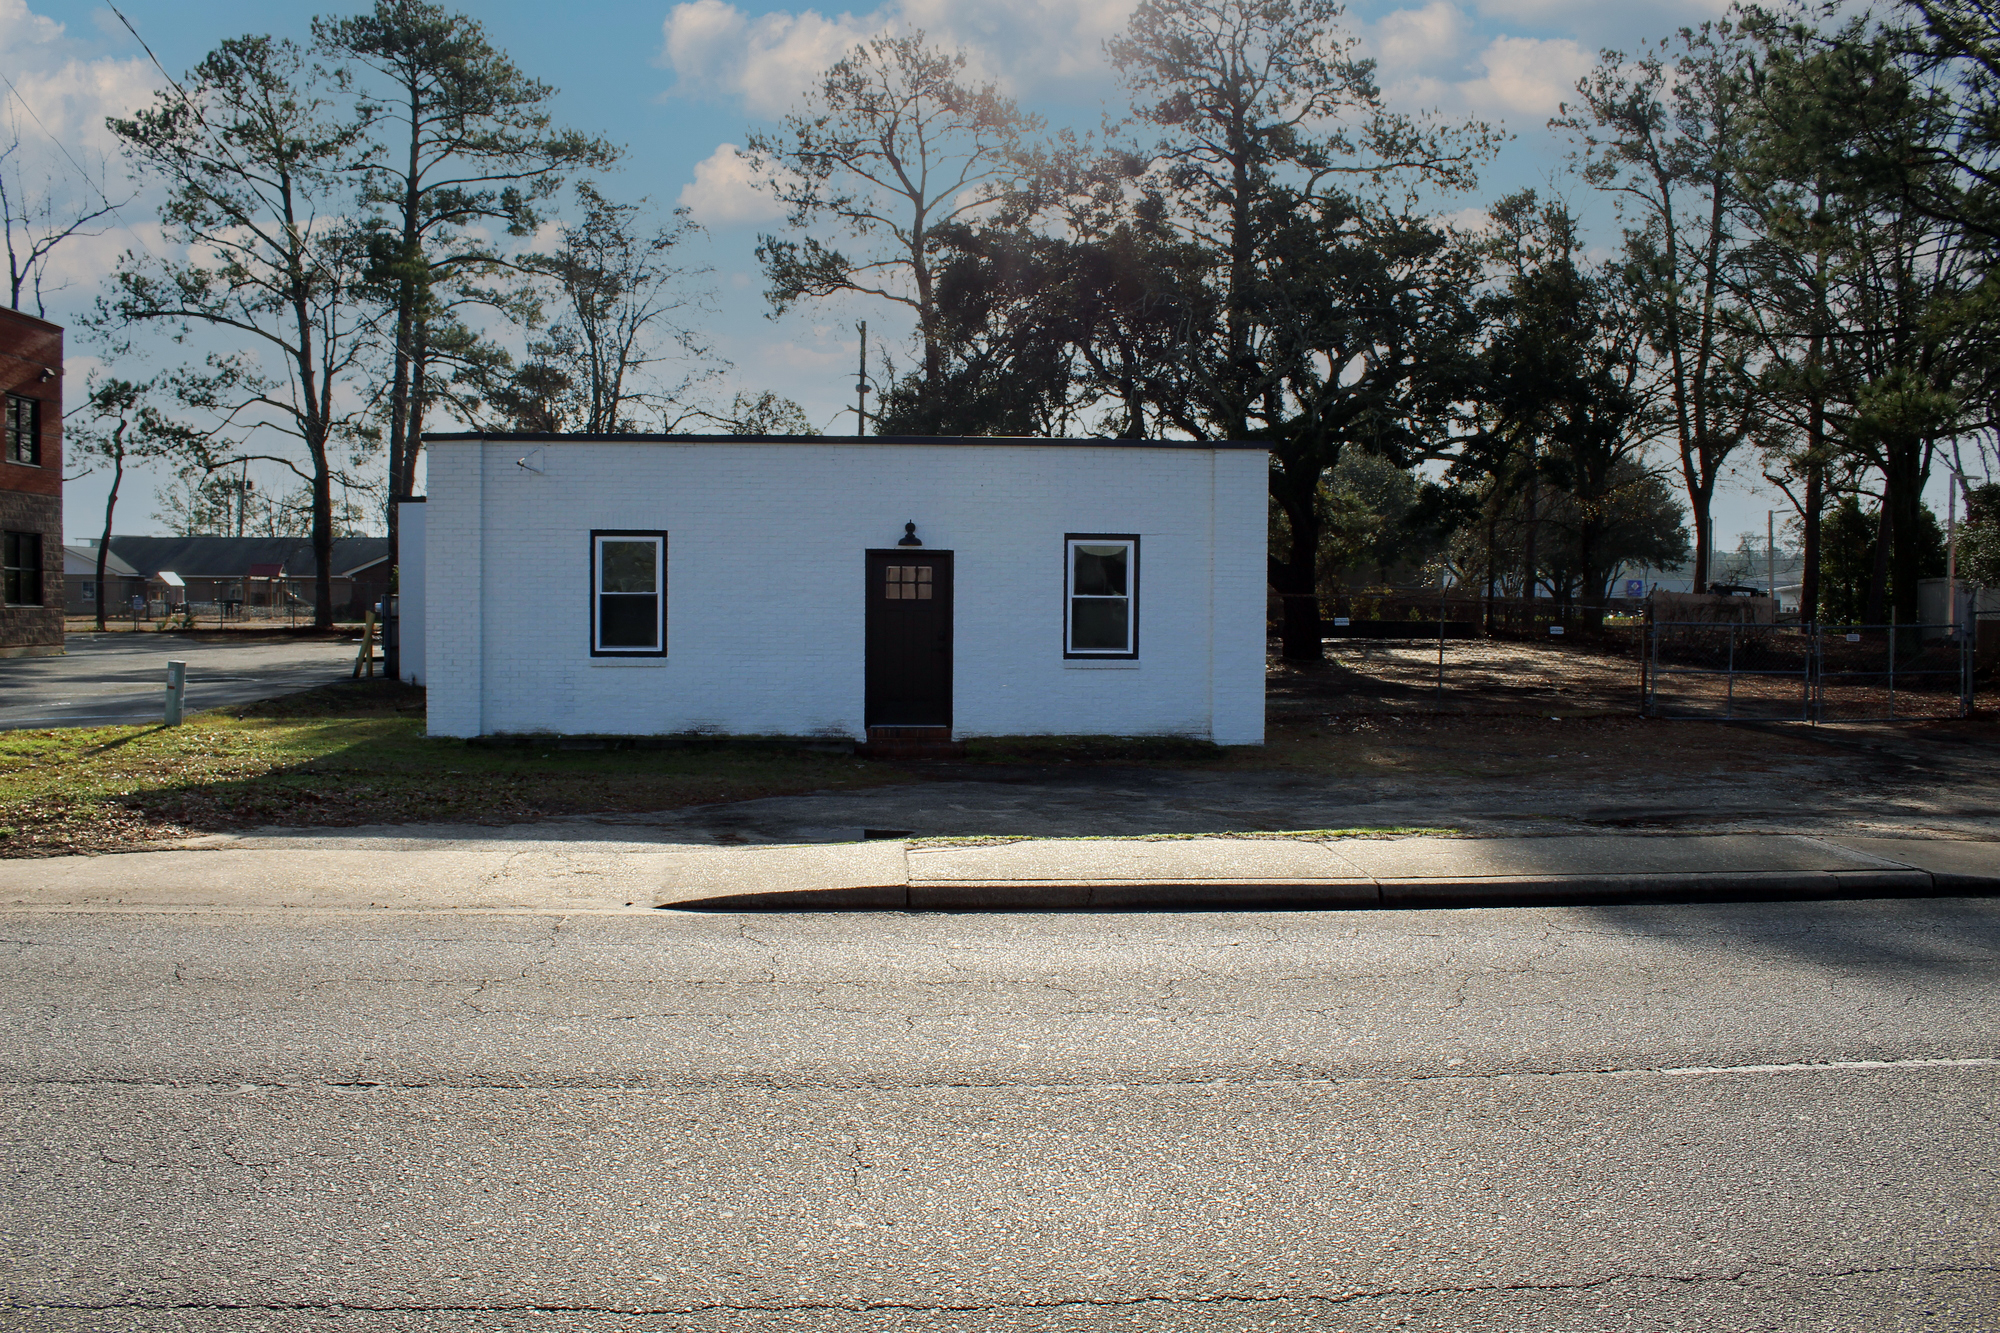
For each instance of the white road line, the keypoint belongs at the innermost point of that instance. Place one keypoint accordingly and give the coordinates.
(1968, 1062)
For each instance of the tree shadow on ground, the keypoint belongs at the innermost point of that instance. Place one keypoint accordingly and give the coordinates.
(1943, 936)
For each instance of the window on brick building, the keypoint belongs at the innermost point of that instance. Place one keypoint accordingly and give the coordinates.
(628, 594)
(24, 436)
(24, 568)
(1101, 596)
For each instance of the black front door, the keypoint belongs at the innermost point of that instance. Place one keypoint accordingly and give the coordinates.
(909, 638)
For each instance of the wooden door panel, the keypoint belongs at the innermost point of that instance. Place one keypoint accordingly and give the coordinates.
(909, 638)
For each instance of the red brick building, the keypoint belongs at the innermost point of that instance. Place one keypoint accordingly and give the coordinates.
(31, 518)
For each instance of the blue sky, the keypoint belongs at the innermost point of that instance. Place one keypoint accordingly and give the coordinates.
(678, 83)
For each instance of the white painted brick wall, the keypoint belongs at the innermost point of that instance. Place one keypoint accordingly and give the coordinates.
(410, 590)
(765, 585)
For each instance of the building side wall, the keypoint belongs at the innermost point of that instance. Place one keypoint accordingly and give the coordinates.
(35, 630)
(1241, 576)
(765, 586)
(410, 599)
(454, 574)
(31, 496)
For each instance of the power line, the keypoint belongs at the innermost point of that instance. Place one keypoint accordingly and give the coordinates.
(57, 142)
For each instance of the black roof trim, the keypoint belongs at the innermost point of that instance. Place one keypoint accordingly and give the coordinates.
(527, 437)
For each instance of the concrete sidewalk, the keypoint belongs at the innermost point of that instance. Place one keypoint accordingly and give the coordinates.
(1023, 875)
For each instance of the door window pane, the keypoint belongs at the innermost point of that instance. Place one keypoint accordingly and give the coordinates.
(907, 583)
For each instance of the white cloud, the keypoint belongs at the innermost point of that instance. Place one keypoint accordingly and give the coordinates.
(725, 191)
(768, 62)
(61, 96)
(714, 49)
(1418, 39)
(1659, 15)
(60, 92)
(1473, 220)
(1527, 76)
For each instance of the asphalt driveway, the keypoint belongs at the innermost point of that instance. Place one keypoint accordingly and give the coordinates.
(113, 678)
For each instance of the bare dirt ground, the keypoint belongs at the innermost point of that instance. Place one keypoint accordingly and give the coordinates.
(1511, 776)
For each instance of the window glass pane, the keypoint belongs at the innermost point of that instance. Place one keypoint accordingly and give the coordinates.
(630, 566)
(21, 441)
(1097, 624)
(1100, 571)
(625, 620)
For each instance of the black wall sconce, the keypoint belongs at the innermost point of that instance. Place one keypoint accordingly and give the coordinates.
(910, 537)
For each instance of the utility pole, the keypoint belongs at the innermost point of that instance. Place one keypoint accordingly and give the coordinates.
(861, 386)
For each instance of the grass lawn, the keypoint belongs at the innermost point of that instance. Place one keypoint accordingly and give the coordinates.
(354, 754)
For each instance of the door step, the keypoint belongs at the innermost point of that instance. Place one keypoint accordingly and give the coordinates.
(911, 743)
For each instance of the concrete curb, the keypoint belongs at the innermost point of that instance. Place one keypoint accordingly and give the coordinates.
(1351, 894)
(1022, 875)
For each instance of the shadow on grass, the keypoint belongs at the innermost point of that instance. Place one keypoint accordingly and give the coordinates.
(124, 741)
(355, 753)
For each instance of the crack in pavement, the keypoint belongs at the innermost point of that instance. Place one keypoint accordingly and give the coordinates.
(1205, 1080)
(1056, 1303)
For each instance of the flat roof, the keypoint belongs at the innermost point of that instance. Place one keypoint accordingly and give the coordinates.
(531, 437)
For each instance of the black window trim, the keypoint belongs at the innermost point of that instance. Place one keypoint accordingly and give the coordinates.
(1132, 591)
(34, 406)
(590, 577)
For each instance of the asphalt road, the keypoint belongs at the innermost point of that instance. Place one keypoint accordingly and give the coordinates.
(1717, 1117)
(105, 679)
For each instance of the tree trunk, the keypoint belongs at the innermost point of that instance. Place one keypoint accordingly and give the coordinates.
(322, 540)
(1295, 577)
(1875, 612)
(1905, 502)
(1492, 525)
(1809, 556)
(1815, 501)
(104, 545)
(1703, 537)
(1528, 552)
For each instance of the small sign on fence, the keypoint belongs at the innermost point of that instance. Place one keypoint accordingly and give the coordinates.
(1339, 620)
(1635, 587)
(1854, 638)
(1555, 629)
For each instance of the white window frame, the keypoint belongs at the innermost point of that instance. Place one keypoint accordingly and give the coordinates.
(598, 538)
(1129, 540)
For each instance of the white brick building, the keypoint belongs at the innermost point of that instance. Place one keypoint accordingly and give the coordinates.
(650, 585)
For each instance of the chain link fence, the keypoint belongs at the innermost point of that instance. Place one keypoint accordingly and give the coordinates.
(1426, 653)
(1409, 653)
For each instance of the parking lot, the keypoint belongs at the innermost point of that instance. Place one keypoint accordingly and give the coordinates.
(121, 678)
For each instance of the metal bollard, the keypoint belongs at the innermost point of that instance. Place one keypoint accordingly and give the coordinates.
(177, 679)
